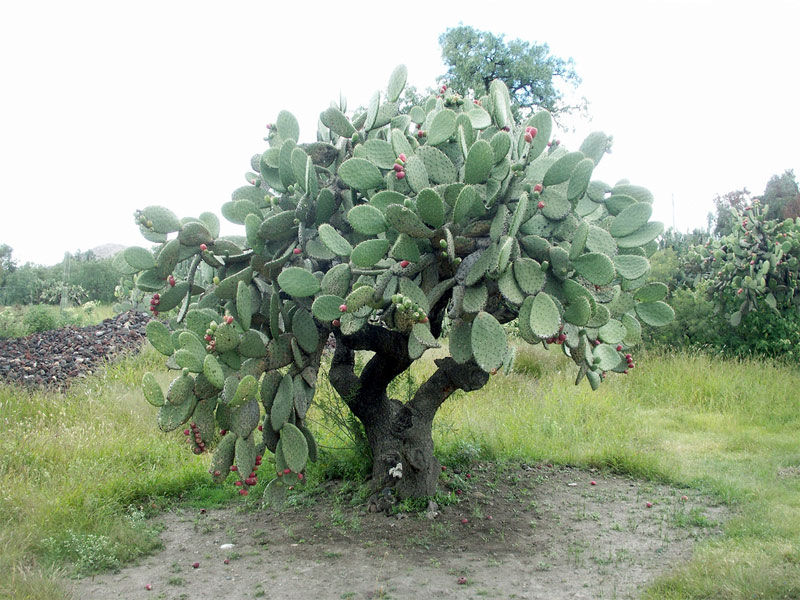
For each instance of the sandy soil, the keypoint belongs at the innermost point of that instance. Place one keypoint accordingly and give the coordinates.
(530, 532)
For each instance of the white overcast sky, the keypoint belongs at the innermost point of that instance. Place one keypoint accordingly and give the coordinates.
(107, 106)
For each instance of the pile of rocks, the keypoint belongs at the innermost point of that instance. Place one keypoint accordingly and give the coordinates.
(54, 358)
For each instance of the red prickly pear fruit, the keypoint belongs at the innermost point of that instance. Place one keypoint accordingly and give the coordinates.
(562, 337)
(261, 428)
(464, 521)
(207, 338)
(628, 357)
(649, 505)
(619, 347)
(229, 320)
(343, 308)
(156, 296)
(335, 322)
(217, 473)
(404, 263)
(420, 133)
(398, 167)
(739, 291)
(540, 206)
(463, 580)
(528, 138)
(234, 468)
(402, 157)
(300, 476)
(287, 471)
(203, 247)
(533, 131)
(226, 561)
(223, 431)
(186, 432)
(148, 587)
(506, 128)
(197, 450)
(400, 174)
(243, 492)
(237, 483)
(592, 483)
(424, 319)
(538, 188)
(297, 251)
(196, 565)
(631, 365)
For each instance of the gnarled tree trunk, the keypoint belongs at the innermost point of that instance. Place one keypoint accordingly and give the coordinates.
(398, 433)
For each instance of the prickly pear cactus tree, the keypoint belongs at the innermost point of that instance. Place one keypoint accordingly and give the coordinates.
(385, 228)
(756, 267)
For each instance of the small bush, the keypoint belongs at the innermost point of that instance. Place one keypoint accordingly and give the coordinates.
(40, 318)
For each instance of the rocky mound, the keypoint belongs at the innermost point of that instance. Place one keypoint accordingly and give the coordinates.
(54, 358)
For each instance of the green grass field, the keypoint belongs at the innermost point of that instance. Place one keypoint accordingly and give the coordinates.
(80, 471)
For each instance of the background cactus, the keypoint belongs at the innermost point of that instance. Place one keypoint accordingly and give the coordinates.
(379, 232)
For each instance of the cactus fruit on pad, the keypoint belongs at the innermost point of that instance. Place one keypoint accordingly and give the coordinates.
(380, 233)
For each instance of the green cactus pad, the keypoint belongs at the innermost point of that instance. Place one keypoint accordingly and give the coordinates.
(520, 215)
(283, 403)
(545, 318)
(194, 233)
(501, 145)
(278, 227)
(430, 207)
(189, 360)
(415, 348)
(397, 81)
(509, 289)
(543, 122)
(405, 248)
(479, 118)
(245, 455)
(597, 268)
(422, 333)
(227, 287)
(630, 219)
(326, 307)
(337, 122)
(485, 261)
(645, 234)
(414, 292)
(479, 163)
(173, 296)
(561, 170)
(559, 262)
(475, 298)
(442, 127)
(337, 280)
(406, 221)
(488, 342)
(630, 266)
(633, 330)
(369, 252)
(529, 275)
(253, 344)
(595, 146)
(180, 390)
(606, 357)
(578, 311)
(244, 419)
(599, 240)
(295, 447)
(600, 316)
(594, 380)
(172, 416)
(298, 282)
(500, 103)
(655, 314)
(360, 174)
(367, 219)
(556, 205)
(213, 371)
(416, 173)
(223, 458)
(359, 297)
(439, 168)
(287, 126)
(151, 390)
(637, 192)
(244, 309)
(460, 342)
(138, 258)
(246, 390)
(226, 338)
(236, 211)
(334, 241)
(652, 292)
(268, 387)
(467, 204)
(579, 179)
(150, 280)
(163, 220)
(160, 337)
(305, 330)
(612, 332)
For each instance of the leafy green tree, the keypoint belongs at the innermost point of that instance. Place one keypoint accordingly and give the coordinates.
(7, 263)
(727, 206)
(535, 78)
(781, 196)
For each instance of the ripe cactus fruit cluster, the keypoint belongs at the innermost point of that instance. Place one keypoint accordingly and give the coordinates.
(377, 232)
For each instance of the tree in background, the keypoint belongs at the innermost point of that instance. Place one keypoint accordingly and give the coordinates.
(782, 196)
(726, 207)
(535, 78)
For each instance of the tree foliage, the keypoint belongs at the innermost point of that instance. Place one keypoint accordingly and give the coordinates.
(535, 78)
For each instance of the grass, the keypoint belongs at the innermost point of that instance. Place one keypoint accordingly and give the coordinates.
(80, 471)
(19, 321)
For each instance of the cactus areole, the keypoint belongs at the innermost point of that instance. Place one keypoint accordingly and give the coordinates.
(383, 263)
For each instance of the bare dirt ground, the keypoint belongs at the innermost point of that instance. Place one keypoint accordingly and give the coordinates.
(515, 532)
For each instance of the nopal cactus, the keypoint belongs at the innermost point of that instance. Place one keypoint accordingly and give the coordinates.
(380, 231)
(755, 267)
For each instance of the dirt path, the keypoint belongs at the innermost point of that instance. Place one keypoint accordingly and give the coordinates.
(530, 532)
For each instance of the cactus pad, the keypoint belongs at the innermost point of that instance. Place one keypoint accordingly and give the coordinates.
(488, 342)
(298, 282)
